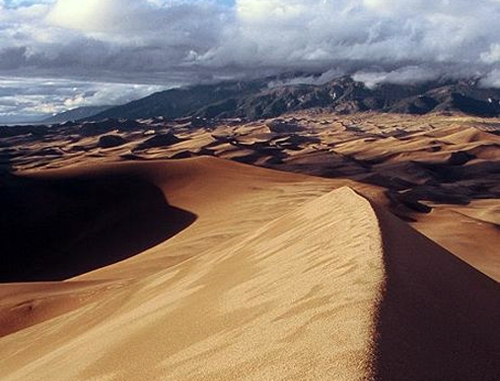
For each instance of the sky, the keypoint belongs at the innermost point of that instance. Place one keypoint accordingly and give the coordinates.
(61, 54)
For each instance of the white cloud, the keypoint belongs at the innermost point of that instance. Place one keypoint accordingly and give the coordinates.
(325, 77)
(35, 98)
(93, 15)
(404, 75)
(493, 55)
(492, 79)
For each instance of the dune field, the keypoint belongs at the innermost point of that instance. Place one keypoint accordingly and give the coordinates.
(312, 246)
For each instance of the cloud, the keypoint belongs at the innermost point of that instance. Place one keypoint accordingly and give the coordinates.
(167, 42)
(95, 15)
(492, 79)
(493, 55)
(313, 79)
(404, 75)
(179, 38)
(125, 37)
(28, 99)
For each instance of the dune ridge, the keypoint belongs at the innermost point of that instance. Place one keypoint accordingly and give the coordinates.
(248, 301)
(324, 286)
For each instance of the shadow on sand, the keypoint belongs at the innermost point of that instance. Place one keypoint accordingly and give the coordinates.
(439, 318)
(55, 229)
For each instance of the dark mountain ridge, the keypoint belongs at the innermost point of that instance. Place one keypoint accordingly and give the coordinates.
(256, 99)
(181, 102)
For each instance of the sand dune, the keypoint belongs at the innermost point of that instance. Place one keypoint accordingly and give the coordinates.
(280, 276)
(134, 266)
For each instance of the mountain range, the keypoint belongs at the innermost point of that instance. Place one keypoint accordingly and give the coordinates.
(258, 99)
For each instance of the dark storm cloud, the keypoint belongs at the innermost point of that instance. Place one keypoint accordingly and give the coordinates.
(157, 36)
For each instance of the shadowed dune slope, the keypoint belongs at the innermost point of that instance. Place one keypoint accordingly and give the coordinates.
(333, 290)
(438, 319)
(57, 228)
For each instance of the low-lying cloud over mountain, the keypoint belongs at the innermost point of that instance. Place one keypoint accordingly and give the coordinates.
(171, 42)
